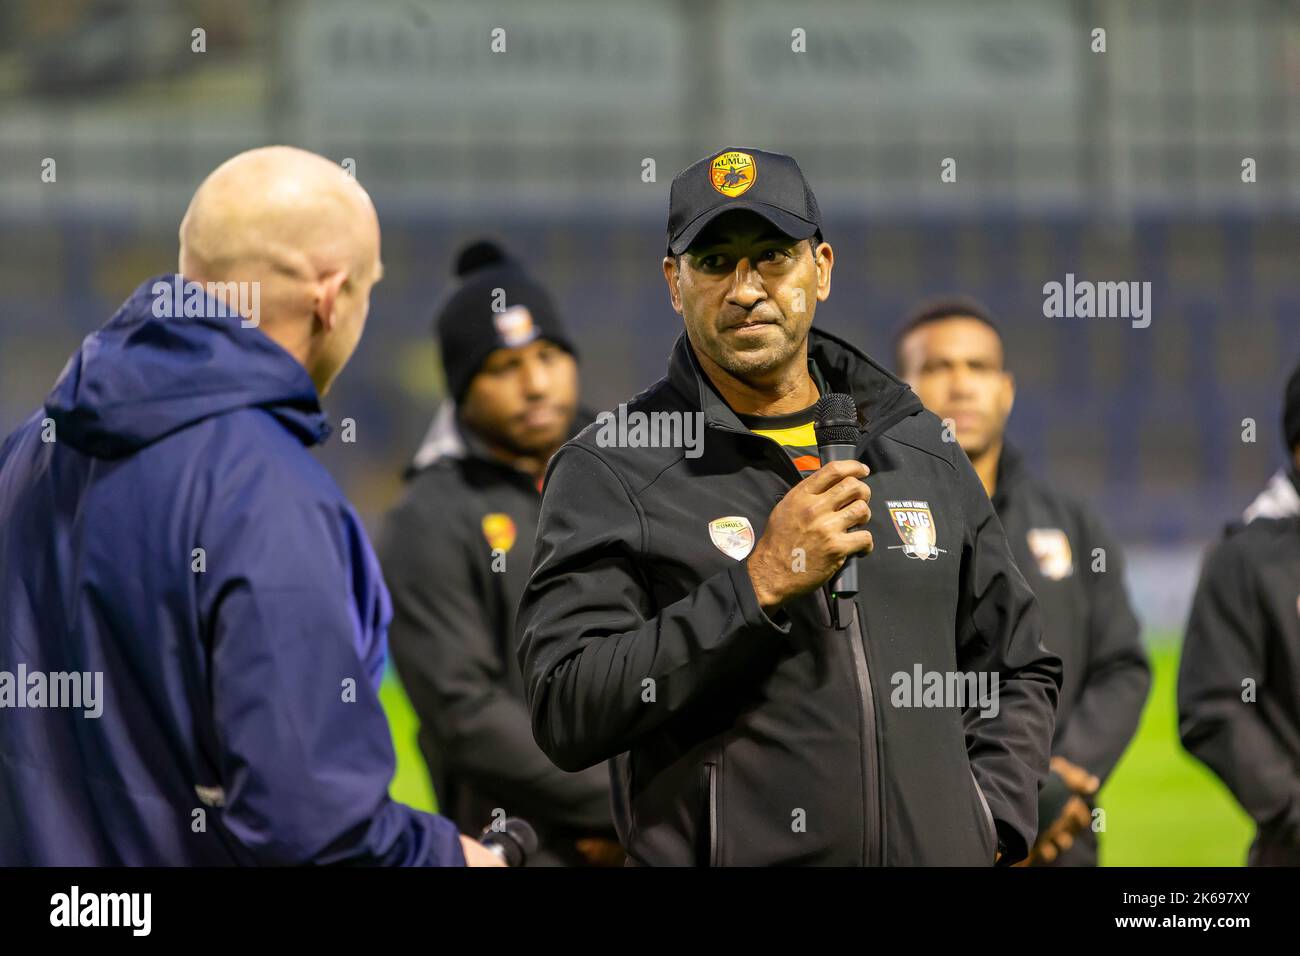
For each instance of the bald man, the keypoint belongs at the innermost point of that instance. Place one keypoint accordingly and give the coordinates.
(192, 621)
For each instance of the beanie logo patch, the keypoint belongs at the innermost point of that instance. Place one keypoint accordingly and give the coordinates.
(515, 326)
(732, 173)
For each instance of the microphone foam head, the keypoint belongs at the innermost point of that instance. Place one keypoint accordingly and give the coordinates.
(836, 420)
(523, 833)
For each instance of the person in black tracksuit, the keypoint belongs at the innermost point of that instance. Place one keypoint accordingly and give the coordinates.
(676, 621)
(456, 553)
(951, 352)
(1239, 677)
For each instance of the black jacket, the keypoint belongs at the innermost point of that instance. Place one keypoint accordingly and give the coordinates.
(1245, 625)
(745, 740)
(451, 640)
(1076, 571)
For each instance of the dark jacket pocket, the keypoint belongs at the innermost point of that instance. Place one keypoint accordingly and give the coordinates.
(988, 816)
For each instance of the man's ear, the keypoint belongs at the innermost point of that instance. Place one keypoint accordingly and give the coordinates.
(825, 262)
(1009, 392)
(328, 288)
(670, 276)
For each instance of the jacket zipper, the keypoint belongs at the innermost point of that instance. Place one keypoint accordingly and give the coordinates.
(873, 837)
(873, 842)
(711, 781)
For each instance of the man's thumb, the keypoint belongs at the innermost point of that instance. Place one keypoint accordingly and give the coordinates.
(1075, 777)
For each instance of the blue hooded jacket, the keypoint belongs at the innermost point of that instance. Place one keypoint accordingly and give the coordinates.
(165, 532)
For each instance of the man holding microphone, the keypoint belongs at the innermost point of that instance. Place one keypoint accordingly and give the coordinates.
(676, 619)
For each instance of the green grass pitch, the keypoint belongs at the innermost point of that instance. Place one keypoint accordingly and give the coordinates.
(1162, 807)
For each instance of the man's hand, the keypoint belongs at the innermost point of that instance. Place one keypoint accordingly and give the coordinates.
(1075, 777)
(815, 515)
(476, 854)
(598, 851)
(1059, 837)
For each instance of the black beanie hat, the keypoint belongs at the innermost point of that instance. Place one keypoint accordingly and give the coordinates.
(1291, 411)
(495, 305)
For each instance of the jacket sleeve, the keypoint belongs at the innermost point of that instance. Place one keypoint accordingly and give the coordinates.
(1226, 643)
(603, 665)
(303, 747)
(446, 653)
(999, 632)
(1106, 714)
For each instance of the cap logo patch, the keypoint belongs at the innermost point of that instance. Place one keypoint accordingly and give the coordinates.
(732, 173)
(515, 326)
(733, 536)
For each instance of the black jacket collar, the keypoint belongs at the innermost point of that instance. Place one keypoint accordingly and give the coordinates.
(1011, 473)
(881, 398)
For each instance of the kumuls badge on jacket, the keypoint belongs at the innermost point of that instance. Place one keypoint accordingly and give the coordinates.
(733, 536)
(499, 529)
(915, 526)
(1051, 549)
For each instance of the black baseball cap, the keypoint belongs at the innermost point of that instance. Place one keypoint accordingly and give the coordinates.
(769, 184)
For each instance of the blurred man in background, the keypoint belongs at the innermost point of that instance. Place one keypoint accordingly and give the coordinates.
(168, 533)
(456, 552)
(951, 353)
(1239, 678)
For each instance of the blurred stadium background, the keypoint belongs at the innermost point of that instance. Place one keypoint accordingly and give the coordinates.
(1122, 165)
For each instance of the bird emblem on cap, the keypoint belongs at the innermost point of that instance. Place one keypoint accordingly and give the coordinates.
(732, 173)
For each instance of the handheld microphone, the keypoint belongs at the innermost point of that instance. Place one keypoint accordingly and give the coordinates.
(836, 427)
(514, 840)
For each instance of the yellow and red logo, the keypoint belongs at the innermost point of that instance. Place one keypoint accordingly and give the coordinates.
(732, 173)
(499, 529)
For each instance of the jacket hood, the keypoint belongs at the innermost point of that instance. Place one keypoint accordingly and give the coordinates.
(1279, 499)
(142, 377)
(442, 440)
(881, 398)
